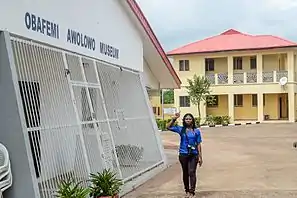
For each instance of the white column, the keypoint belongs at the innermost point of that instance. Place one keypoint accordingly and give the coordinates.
(292, 103)
(260, 107)
(216, 79)
(291, 69)
(230, 69)
(295, 67)
(231, 107)
(202, 69)
(203, 111)
(275, 76)
(259, 68)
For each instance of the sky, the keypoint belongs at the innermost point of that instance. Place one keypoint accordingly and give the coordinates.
(177, 22)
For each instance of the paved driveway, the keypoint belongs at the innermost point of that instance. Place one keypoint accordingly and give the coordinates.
(242, 161)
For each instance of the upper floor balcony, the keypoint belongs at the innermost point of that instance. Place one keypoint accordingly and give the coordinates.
(247, 77)
(259, 68)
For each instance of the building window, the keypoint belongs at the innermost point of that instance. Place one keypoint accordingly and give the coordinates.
(237, 63)
(184, 101)
(254, 100)
(213, 101)
(155, 110)
(253, 63)
(184, 65)
(238, 100)
(209, 64)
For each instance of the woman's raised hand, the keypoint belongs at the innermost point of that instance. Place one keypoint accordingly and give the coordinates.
(176, 116)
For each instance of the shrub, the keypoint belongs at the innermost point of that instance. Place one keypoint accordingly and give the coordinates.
(198, 121)
(217, 120)
(162, 124)
(225, 120)
(71, 189)
(105, 184)
(209, 120)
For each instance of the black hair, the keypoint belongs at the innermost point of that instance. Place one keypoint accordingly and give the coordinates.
(193, 120)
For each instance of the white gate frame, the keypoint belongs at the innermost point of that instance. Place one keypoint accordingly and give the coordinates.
(76, 115)
(108, 121)
(92, 111)
(157, 135)
(154, 123)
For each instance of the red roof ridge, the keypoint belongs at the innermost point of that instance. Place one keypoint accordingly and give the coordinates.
(225, 33)
(230, 31)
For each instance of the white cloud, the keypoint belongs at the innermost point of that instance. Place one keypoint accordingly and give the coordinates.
(169, 13)
(281, 4)
(179, 22)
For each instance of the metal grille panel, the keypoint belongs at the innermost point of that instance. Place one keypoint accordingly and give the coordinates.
(50, 117)
(73, 63)
(82, 115)
(89, 70)
(132, 128)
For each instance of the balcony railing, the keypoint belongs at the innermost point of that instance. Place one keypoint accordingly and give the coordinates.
(246, 77)
(268, 76)
(223, 78)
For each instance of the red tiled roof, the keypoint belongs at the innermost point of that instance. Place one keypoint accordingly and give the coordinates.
(232, 40)
(145, 24)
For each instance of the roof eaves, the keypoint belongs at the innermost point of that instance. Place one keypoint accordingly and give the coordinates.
(277, 37)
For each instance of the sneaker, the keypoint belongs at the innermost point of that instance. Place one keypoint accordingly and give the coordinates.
(187, 195)
(192, 196)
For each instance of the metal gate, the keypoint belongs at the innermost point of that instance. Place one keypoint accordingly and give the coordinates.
(82, 115)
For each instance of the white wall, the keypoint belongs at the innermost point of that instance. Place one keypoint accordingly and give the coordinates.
(102, 20)
(149, 79)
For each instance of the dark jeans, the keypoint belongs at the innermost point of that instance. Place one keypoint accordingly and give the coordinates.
(189, 167)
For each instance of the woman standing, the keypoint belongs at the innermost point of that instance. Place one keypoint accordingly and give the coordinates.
(190, 153)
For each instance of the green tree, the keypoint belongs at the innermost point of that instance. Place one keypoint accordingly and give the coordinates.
(199, 91)
(168, 97)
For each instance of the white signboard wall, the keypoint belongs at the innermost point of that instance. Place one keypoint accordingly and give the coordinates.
(96, 28)
(170, 111)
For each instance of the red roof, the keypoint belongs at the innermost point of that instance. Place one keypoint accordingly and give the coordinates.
(145, 24)
(232, 40)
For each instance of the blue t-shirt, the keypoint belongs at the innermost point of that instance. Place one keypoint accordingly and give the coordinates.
(193, 137)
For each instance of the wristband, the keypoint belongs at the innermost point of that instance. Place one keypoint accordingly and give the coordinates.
(174, 119)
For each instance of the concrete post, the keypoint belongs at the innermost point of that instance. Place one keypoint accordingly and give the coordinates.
(259, 68)
(230, 69)
(13, 133)
(231, 107)
(260, 107)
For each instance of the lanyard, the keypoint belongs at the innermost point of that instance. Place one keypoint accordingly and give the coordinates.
(184, 131)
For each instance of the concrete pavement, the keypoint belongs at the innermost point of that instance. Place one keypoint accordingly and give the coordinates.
(242, 161)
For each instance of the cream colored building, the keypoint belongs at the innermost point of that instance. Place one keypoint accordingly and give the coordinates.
(245, 72)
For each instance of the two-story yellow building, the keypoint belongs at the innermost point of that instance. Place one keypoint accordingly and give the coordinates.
(253, 77)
